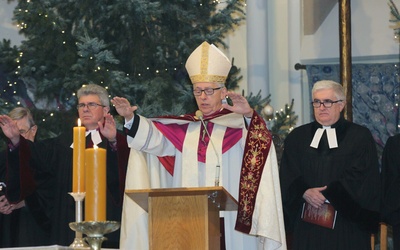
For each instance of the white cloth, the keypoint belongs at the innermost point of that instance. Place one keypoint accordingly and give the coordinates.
(331, 135)
(145, 171)
(95, 136)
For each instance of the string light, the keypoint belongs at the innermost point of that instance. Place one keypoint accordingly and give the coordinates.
(24, 25)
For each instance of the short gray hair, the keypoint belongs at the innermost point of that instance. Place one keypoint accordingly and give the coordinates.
(94, 89)
(328, 84)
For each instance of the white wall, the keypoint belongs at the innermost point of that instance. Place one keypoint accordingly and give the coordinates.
(270, 26)
(278, 52)
(7, 29)
(237, 51)
(372, 38)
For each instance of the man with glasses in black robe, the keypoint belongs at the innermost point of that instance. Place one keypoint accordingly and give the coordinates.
(329, 177)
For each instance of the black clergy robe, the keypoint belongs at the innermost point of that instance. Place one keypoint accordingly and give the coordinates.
(24, 226)
(351, 174)
(391, 186)
(54, 157)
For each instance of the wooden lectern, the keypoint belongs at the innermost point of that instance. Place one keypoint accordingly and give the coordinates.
(184, 218)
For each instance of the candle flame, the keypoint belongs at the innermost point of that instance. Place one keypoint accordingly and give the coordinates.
(79, 122)
(95, 147)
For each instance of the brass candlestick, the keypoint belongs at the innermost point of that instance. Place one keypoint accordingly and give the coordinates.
(78, 242)
(95, 231)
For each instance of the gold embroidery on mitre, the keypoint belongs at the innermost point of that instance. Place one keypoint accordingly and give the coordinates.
(204, 76)
(208, 78)
(205, 47)
(208, 64)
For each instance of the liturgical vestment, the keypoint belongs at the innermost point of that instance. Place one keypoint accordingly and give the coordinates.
(162, 155)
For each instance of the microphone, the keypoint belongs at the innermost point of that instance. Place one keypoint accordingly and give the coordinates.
(199, 114)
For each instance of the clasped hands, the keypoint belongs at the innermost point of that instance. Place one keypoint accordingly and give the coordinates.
(6, 207)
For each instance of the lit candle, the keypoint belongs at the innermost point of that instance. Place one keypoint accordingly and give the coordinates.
(95, 200)
(78, 163)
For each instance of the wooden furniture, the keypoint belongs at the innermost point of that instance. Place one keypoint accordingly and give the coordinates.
(184, 218)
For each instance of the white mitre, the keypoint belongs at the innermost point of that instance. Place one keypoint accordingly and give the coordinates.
(208, 64)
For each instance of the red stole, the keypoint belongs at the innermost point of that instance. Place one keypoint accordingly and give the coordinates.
(258, 143)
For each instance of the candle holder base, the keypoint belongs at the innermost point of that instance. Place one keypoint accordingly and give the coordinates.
(80, 244)
(95, 242)
(95, 231)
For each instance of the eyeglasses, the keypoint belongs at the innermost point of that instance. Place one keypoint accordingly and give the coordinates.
(326, 103)
(208, 91)
(23, 132)
(90, 105)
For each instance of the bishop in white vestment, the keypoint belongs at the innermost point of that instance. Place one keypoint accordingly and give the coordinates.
(225, 144)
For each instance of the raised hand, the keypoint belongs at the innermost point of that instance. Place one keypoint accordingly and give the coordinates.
(109, 129)
(240, 104)
(123, 107)
(10, 129)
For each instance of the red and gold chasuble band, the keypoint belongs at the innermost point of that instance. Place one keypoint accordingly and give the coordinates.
(258, 143)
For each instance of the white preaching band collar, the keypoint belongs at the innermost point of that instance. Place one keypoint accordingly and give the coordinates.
(96, 138)
(331, 134)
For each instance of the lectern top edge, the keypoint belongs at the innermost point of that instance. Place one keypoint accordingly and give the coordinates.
(217, 195)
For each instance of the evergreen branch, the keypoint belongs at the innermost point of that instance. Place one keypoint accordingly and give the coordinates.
(284, 120)
(394, 11)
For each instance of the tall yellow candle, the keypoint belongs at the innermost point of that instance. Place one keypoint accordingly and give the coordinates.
(95, 200)
(78, 163)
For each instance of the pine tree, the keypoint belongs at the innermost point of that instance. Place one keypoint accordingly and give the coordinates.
(135, 48)
(7, 66)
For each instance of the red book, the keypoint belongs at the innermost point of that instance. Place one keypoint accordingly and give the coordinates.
(324, 216)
